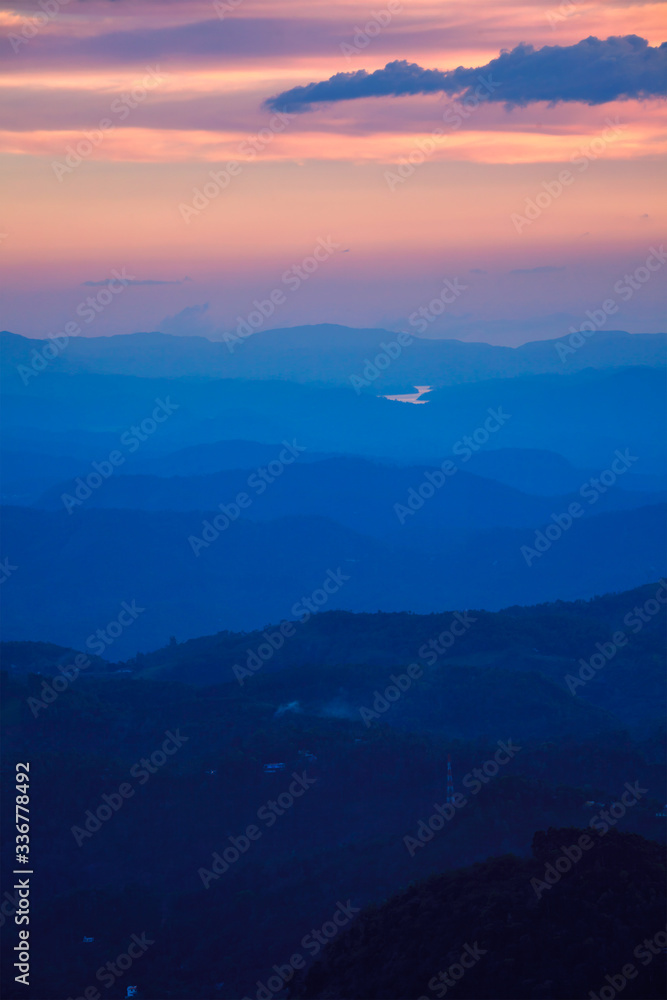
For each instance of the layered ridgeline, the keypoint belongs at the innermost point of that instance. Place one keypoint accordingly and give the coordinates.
(227, 503)
(369, 360)
(544, 672)
(582, 417)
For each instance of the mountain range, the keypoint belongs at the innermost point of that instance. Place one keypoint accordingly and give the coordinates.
(332, 355)
(219, 502)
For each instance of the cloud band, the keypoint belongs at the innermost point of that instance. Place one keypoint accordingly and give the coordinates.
(594, 71)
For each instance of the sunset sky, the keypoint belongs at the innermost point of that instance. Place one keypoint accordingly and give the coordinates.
(181, 87)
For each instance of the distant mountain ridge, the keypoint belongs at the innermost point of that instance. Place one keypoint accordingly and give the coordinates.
(334, 355)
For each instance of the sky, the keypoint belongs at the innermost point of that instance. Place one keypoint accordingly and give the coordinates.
(206, 150)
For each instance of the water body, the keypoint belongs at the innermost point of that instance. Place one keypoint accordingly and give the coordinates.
(412, 397)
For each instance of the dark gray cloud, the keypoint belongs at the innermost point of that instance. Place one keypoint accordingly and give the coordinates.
(591, 72)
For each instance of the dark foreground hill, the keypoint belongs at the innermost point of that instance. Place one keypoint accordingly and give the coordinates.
(498, 931)
(121, 866)
(143, 867)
